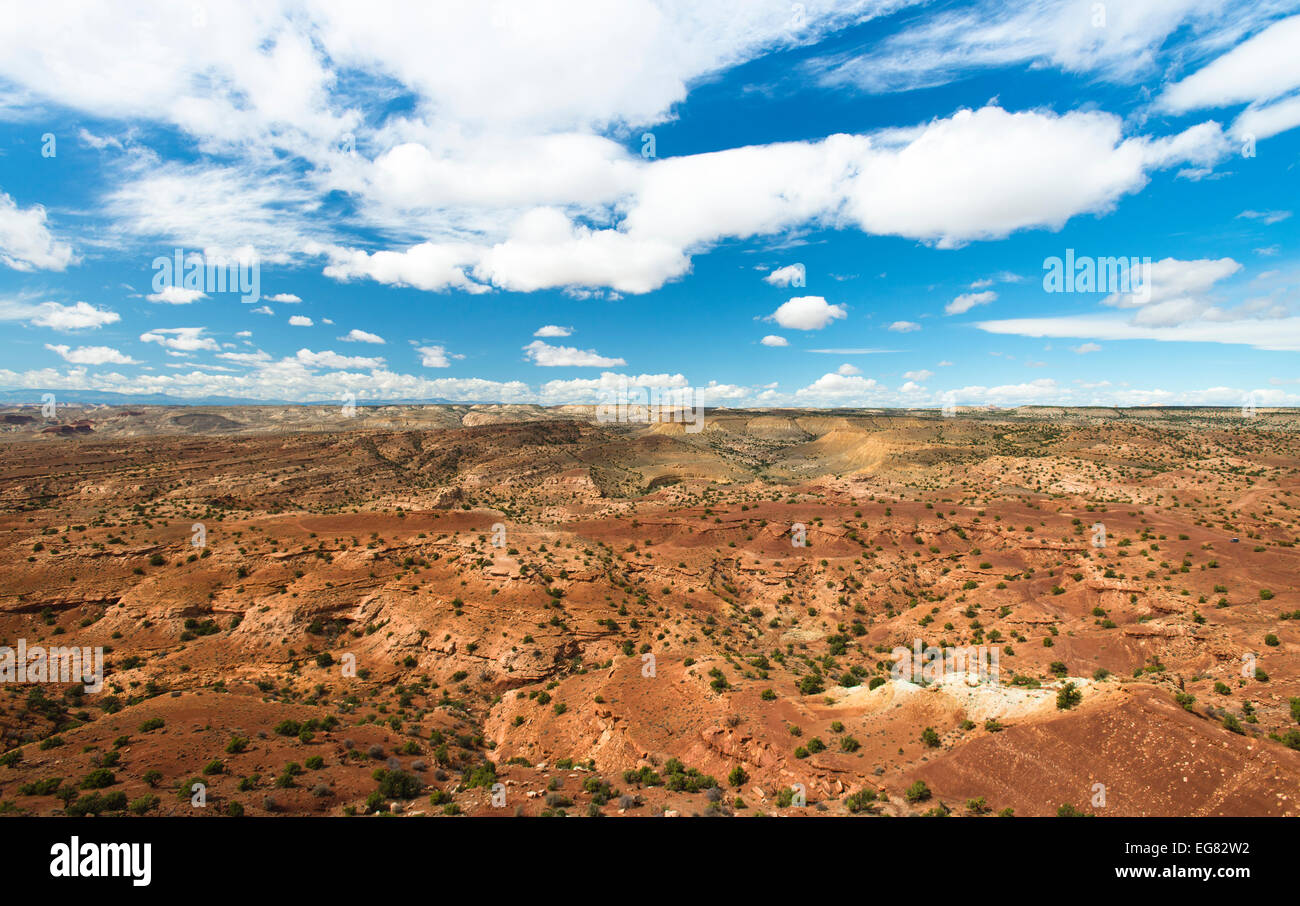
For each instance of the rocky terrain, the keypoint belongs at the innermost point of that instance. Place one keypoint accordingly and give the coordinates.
(511, 610)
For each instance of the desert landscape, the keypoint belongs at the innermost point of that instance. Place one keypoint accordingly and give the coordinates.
(498, 611)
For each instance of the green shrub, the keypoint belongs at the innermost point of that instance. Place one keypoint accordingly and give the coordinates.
(917, 792)
(398, 784)
(1068, 696)
(98, 779)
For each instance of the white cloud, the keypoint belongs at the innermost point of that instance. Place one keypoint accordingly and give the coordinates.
(435, 356)
(1178, 290)
(839, 387)
(26, 243)
(936, 49)
(984, 174)
(904, 326)
(92, 355)
(848, 370)
(807, 313)
(791, 274)
(502, 172)
(1261, 71)
(1258, 69)
(966, 301)
(176, 295)
(1000, 277)
(1041, 391)
(328, 358)
(922, 375)
(553, 330)
(77, 316)
(546, 250)
(1268, 218)
(593, 390)
(299, 321)
(1267, 120)
(362, 336)
(180, 339)
(284, 297)
(238, 211)
(979, 174)
(429, 266)
(1281, 333)
(773, 340)
(567, 356)
(1084, 348)
(245, 358)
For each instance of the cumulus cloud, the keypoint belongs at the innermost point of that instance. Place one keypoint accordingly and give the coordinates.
(429, 266)
(362, 336)
(1258, 69)
(593, 390)
(501, 172)
(790, 275)
(26, 243)
(966, 301)
(1085, 348)
(328, 358)
(549, 356)
(921, 375)
(245, 358)
(92, 355)
(435, 356)
(180, 339)
(176, 295)
(807, 313)
(839, 387)
(284, 297)
(904, 326)
(1178, 290)
(978, 174)
(773, 340)
(77, 316)
(546, 250)
(984, 174)
(299, 321)
(553, 330)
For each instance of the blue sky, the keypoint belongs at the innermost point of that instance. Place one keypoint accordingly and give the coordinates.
(841, 204)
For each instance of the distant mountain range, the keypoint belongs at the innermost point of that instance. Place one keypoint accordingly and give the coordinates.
(109, 398)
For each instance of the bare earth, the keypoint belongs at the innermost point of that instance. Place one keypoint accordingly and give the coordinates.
(498, 575)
